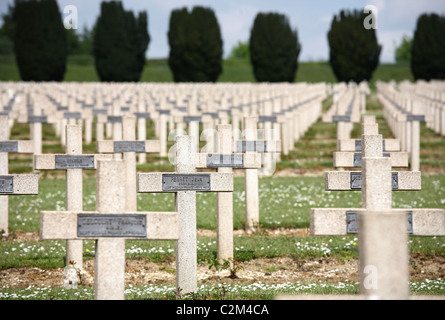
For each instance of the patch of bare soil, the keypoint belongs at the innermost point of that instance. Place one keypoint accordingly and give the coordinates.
(267, 270)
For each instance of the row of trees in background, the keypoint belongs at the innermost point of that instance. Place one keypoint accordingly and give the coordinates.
(119, 41)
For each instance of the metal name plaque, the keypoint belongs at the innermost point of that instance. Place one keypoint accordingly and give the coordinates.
(39, 119)
(356, 180)
(100, 111)
(225, 160)
(246, 146)
(358, 145)
(213, 115)
(142, 115)
(6, 184)
(341, 119)
(72, 115)
(114, 119)
(74, 162)
(409, 218)
(186, 182)
(9, 146)
(129, 146)
(412, 117)
(395, 181)
(267, 119)
(352, 222)
(112, 225)
(192, 118)
(357, 159)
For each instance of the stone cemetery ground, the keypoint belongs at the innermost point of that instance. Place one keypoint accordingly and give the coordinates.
(280, 258)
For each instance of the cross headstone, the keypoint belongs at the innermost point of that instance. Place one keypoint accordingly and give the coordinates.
(35, 121)
(350, 159)
(192, 121)
(344, 221)
(129, 146)
(225, 161)
(6, 183)
(383, 250)
(251, 145)
(382, 230)
(142, 116)
(73, 162)
(109, 226)
(185, 182)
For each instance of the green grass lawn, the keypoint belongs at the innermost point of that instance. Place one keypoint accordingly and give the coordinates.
(81, 68)
(285, 202)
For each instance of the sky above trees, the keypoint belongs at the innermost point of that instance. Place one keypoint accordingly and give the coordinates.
(312, 19)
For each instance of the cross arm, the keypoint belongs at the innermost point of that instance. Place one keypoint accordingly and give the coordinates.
(342, 221)
(258, 146)
(356, 145)
(64, 225)
(140, 146)
(352, 180)
(19, 184)
(354, 159)
(18, 146)
(65, 161)
(231, 160)
(173, 182)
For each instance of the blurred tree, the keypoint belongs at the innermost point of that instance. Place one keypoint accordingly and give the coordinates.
(39, 40)
(403, 51)
(240, 51)
(120, 42)
(274, 48)
(8, 26)
(428, 48)
(354, 51)
(6, 45)
(195, 45)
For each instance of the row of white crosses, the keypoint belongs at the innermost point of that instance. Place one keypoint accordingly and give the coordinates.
(429, 97)
(348, 102)
(294, 107)
(403, 117)
(75, 225)
(382, 230)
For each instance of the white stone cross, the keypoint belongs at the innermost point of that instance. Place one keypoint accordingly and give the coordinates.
(109, 225)
(129, 146)
(251, 145)
(374, 195)
(7, 184)
(225, 161)
(73, 162)
(185, 182)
